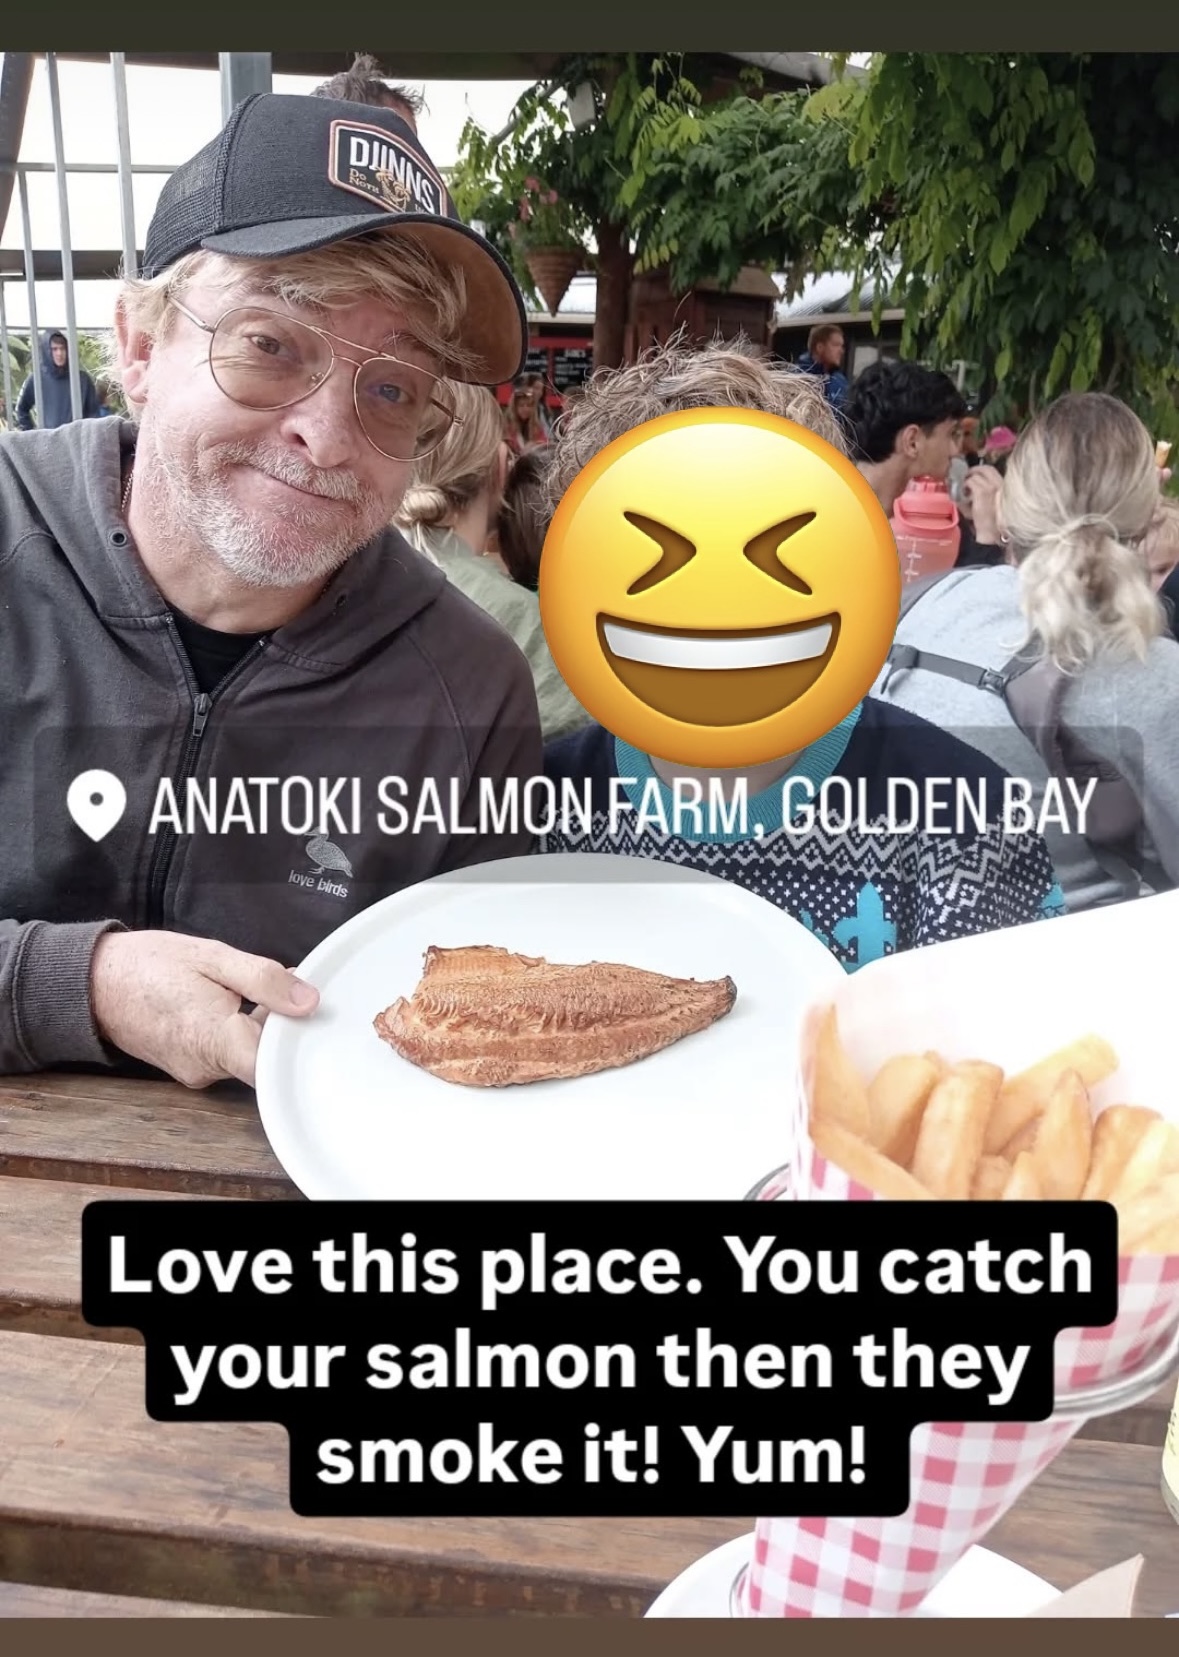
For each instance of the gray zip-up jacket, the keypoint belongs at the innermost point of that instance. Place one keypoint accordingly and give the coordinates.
(391, 678)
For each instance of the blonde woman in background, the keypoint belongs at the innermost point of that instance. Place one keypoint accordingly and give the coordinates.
(1080, 496)
(448, 514)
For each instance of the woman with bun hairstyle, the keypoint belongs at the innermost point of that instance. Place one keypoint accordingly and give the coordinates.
(448, 514)
(1079, 498)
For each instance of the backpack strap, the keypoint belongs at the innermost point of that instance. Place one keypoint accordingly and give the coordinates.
(996, 680)
(1036, 702)
(1033, 689)
(905, 656)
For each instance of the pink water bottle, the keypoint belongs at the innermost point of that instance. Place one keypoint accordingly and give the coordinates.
(925, 523)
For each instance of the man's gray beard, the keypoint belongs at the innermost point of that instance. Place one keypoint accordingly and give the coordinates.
(249, 548)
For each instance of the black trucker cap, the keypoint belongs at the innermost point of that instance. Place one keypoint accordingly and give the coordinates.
(290, 173)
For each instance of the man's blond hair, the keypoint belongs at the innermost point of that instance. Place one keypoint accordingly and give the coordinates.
(393, 267)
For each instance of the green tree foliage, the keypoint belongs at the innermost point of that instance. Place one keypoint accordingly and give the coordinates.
(643, 103)
(756, 180)
(1026, 207)
(1035, 216)
(92, 355)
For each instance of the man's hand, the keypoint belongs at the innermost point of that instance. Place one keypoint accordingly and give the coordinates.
(981, 489)
(176, 1003)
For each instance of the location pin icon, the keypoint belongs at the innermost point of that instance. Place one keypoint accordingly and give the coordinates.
(96, 800)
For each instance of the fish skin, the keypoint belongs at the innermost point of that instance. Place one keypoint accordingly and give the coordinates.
(482, 1016)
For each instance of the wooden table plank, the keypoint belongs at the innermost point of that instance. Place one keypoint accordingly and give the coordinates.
(41, 1257)
(108, 1130)
(1145, 1424)
(1097, 1504)
(91, 1492)
(94, 1496)
(40, 1284)
(17, 1599)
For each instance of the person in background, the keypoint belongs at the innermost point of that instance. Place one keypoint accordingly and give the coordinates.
(536, 385)
(1001, 440)
(866, 892)
(523, 519)
(978, 518)
(448, 513)
(1161, 552)
(1075, 579)
(365, 83)
(903, 423)
(825, 347)
(55, 387)
(522, 429)
(967, 457)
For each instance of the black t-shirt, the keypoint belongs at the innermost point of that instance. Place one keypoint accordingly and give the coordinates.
(211, 653)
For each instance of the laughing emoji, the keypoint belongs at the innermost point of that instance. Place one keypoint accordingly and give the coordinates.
(719, 587)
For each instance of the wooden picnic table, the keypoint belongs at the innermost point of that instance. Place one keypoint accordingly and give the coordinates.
(97, 1501)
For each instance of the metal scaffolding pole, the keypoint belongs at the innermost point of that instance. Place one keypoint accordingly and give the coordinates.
(241, 74)
(126, 193)
(31, 287)
(9, 405)
(67, 254)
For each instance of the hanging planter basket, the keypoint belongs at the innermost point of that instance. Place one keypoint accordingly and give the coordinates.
(552, 269)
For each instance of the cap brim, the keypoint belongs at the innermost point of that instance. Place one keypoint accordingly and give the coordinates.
(494, 327)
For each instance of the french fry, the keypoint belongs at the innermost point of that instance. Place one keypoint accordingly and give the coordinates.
(1023, 1097)
(1146, 1213)
(838, 1092)
(1025, 1139)
(924, 1129)
(1154, 1157)
(950, 1139)
(1065, 1140)
(865, 1164)
(990, 1179)
(1116, 1133)
(1164, 1239)
(897, 1096)
(1024, 1183)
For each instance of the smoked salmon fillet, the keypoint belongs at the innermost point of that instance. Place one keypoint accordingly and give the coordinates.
(484, 1017)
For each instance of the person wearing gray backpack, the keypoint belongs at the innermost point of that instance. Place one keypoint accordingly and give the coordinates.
(1058, 664)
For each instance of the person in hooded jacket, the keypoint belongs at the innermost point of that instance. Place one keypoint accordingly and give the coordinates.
(55, 388)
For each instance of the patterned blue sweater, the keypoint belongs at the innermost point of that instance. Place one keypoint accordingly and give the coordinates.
(861, 880)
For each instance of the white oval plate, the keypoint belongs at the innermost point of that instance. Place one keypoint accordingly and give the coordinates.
(704, 1119)
(981, 1584)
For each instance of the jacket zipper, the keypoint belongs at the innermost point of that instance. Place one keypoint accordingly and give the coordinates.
(165, 839)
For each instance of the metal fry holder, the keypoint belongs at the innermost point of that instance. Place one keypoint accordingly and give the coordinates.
(1103, 1397)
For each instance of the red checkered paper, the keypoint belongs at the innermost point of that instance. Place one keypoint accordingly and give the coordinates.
(964, 1477)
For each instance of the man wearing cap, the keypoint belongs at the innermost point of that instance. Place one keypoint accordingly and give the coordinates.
(229, 685)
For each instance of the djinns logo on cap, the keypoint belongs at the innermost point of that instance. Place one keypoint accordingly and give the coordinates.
(372, 163)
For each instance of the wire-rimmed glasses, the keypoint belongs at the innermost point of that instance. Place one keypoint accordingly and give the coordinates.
(265, 359)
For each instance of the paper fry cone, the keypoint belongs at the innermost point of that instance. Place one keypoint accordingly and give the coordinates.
(1041, 987)
(965, 1477)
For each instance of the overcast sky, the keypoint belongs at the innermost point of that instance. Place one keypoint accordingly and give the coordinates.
(172, 113)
